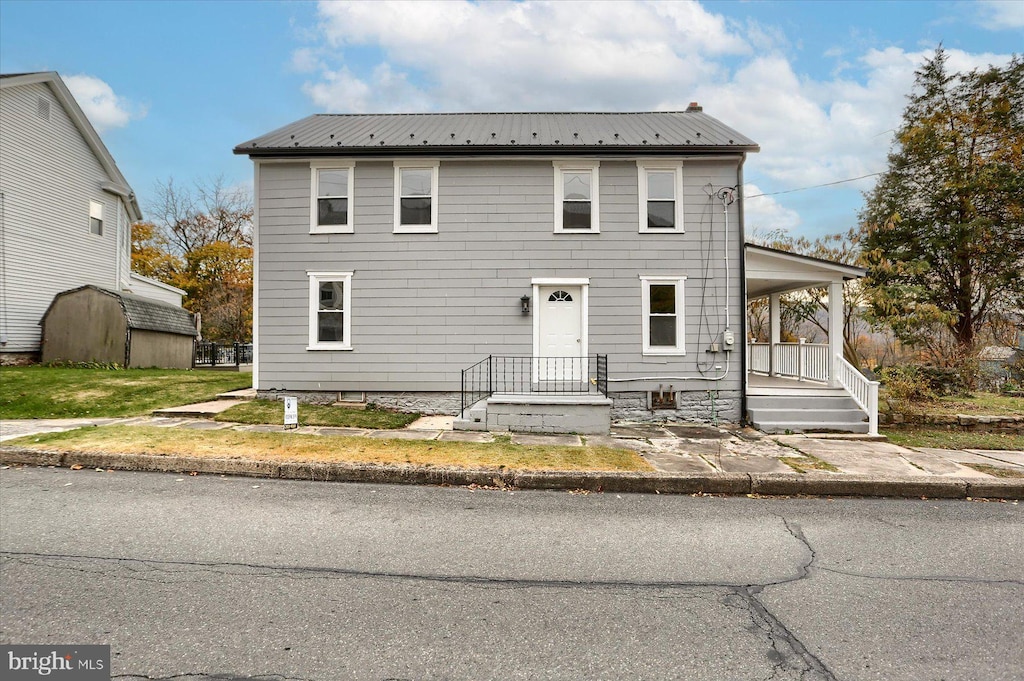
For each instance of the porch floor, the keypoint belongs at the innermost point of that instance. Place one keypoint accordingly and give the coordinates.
(759, 384)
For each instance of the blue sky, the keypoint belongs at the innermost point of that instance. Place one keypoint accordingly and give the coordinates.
(174, 86)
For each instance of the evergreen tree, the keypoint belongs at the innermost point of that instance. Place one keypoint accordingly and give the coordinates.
(944, 226)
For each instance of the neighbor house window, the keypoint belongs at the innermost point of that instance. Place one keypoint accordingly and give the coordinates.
(577, 208)
(331, 209)
(416, 197)
(96, 218)
(662, 301)
(330, 317)
(661, 197)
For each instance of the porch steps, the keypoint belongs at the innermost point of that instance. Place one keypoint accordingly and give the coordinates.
(829, 410)
(582, 414)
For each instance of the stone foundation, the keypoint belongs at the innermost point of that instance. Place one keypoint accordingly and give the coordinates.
(696, 406)
(691, 406)
(432, 403)
(18, 359)
(982, 424)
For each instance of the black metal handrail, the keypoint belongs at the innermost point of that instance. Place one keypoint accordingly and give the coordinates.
(221, 354)
(534, 376)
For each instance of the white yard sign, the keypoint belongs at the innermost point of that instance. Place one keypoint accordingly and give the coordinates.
(291, 411)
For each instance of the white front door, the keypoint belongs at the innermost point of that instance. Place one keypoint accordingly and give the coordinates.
(561, 343)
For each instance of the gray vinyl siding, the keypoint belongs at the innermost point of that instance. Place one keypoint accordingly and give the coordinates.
(48, 176)
(425, 306)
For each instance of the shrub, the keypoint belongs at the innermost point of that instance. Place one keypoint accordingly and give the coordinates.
(904, 386)
(67, 364)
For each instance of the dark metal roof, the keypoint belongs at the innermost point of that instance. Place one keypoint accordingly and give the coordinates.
(154, 315)
(664, 132)
(145, 313)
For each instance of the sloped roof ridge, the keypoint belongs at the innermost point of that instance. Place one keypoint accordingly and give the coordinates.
(506, 113)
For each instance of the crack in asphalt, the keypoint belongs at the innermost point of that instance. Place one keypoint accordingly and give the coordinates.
(787, 651)
(303, 572)
(927, 578)
(786, 654)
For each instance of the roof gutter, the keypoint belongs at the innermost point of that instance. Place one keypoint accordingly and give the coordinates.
(503, 150)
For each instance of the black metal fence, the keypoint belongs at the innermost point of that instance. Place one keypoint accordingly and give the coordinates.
(534, 376)
(221, 354)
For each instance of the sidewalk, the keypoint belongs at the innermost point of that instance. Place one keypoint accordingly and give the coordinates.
(688, 459)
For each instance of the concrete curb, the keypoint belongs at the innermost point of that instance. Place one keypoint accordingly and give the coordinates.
(766, 484)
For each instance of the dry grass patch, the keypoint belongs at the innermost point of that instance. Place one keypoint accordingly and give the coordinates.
(802, 464)
(996, 471)
(295, 447)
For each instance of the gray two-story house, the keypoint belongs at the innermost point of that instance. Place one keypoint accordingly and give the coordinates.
(524, 271)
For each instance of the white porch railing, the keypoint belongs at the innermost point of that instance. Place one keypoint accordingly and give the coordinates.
(810, 361)
(759, 357)
(802, 361)
(863, 391)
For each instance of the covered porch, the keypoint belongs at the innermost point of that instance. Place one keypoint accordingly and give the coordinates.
(798, 386)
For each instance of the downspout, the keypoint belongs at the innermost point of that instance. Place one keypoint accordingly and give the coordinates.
(743, 288)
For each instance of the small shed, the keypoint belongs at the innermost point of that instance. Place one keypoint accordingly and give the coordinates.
(92, 324)
(995, 363)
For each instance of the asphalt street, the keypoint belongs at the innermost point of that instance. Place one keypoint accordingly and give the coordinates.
(208, 577)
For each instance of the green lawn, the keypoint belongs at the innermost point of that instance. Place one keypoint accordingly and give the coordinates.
(272, 411)
(987, 404)
(48, 392)
(941, 438)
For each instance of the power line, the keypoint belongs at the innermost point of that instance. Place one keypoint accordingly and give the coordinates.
(813, 186)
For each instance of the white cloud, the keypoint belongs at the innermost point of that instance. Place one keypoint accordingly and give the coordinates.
(104, 109)
(999, 15)
(817, 131)
(764, 214)
(530, 55)
(626, 55)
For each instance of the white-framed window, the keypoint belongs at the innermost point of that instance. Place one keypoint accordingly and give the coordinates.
(330, 311)
(330, 210)
(663, 315)
(577, 199)
(96, 218)
(661, 197)
(416, 197)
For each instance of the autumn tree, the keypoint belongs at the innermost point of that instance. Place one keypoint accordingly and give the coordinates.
(200, 240)
(944, 226)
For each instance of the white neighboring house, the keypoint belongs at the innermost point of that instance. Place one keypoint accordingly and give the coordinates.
(65, 210)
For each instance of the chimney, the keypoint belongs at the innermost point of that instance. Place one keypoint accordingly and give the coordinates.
(694, 106)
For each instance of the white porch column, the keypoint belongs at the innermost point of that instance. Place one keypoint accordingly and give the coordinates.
(835, 330)
(775, 328)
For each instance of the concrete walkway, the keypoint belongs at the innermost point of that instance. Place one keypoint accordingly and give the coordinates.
(812, 464)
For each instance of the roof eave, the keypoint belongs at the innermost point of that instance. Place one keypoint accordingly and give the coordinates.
(502, 150)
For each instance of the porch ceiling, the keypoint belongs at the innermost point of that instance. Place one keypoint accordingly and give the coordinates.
(773, 271)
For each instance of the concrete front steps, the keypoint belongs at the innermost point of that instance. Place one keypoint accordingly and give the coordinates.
(820, 410)
(581, 414)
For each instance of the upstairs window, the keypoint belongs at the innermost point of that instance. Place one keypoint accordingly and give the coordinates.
(577, 207)
(661, 197)
(96, 218)
(663, 329)
(330, 302)
(416, 198)
(331, 209)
